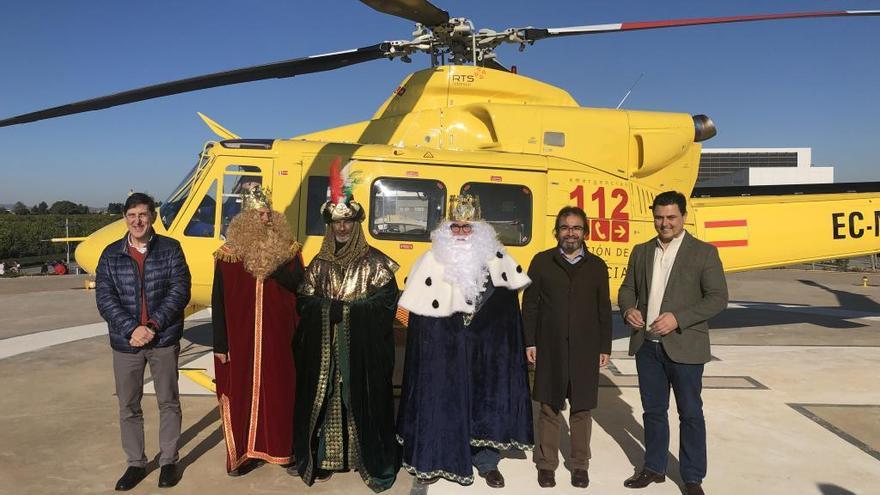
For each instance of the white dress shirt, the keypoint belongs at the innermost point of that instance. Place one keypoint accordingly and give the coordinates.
(663, 261)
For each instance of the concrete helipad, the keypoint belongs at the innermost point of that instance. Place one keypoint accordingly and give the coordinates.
(792, 400)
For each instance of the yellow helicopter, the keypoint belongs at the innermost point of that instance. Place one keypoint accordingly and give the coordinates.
(468, 124)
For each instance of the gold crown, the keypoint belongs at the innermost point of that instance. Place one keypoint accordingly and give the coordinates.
(256, 197)
(464, 208)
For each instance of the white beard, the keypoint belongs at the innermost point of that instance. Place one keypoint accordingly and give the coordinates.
(465, 260)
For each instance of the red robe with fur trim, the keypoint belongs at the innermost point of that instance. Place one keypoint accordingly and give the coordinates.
(254, 322)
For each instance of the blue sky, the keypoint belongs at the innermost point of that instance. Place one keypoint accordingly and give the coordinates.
(800, 83)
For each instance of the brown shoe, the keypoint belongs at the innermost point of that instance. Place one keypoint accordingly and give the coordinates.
(495, 479)
(546, 478)
(644, 478)
(693, 489)
(580, 478)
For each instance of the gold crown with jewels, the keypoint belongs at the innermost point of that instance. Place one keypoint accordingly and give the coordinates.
(256, 197)
(464, 208)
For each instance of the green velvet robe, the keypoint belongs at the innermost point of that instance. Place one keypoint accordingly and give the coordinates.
(344, 417)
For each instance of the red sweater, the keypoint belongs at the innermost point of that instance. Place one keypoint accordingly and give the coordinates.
(139, 258)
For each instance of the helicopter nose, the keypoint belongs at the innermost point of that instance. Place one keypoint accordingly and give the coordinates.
(704, 128)
(89, 251)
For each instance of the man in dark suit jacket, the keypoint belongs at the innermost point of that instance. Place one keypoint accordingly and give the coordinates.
(674, 284)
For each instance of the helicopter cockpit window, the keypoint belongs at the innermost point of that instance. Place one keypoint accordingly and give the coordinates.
(171, 206)
(202, 222)
(406, 209)
(237, 180)
(507, 207)
(317, 195)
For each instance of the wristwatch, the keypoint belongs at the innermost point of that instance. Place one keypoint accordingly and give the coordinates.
(152, 326)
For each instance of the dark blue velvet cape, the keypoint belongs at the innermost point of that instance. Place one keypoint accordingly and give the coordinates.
(464, 386)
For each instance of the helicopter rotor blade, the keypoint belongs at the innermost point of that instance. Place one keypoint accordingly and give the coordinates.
(420, 11)
(275, 70)
(494, 64)
(534, 34)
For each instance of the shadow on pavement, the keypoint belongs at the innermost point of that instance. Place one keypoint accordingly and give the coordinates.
(832, 489)
(847, 300)
(205, 445)
(617, 418)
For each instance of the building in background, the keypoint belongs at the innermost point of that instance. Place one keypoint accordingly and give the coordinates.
(725, 167)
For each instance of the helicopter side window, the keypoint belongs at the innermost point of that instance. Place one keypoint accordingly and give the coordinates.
(237, 180)
(318, 193)
(202, 222)
(507, 207)
(406, 209)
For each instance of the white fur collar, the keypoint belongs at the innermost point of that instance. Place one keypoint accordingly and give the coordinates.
(426, 293)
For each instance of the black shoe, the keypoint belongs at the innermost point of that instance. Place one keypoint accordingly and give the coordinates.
(322, 475)
(693, 489)
(644, 478)
(546, 478)
(494, 479)
(293, 470)
(580, 478)
(132, 476)
(168, 476)
(246, 467)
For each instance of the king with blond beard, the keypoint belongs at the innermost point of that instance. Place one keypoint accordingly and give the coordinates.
(465, 394)
(254, 318)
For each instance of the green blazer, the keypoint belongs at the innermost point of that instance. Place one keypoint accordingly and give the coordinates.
(696, 291)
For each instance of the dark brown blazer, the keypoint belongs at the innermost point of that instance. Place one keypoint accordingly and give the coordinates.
(695, 292)
(567, 315)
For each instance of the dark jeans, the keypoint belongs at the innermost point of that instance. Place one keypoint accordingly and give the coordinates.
(485, 459)
(656, 373)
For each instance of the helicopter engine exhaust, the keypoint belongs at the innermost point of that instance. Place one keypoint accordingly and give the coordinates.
(704, 128)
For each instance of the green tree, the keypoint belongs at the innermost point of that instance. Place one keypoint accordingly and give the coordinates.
(114, 208)
(65, 207)
(20, 209)
(43, 208)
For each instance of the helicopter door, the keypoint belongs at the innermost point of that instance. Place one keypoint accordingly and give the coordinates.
(212, 205)
(237, 180)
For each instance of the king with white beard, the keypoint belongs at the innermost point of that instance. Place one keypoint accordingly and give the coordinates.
(465, 393)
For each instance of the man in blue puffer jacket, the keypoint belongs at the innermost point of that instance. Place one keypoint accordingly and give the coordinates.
(142, 287)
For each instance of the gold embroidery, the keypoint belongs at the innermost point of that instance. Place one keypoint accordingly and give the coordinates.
(332, 427)
(258, 356)
(225, 253)
(226, 419)
(323, 373)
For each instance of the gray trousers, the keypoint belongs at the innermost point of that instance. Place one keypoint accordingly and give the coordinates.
(128, 369)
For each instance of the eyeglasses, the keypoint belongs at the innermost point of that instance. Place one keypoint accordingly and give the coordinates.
(461, 227)
(576, 229)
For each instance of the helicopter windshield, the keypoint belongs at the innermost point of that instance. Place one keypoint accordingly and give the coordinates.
(171, 206)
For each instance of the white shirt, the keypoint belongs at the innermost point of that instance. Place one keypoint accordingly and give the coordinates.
(663, 261)
(577, 257)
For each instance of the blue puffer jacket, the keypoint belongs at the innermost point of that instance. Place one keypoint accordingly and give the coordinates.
(118, 291)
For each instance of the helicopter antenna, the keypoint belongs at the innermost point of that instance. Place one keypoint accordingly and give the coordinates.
(630, 90)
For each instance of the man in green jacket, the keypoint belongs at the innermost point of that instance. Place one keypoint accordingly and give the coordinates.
(674, 284)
